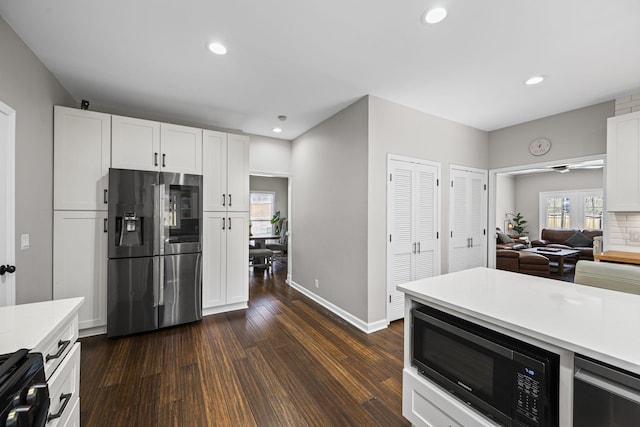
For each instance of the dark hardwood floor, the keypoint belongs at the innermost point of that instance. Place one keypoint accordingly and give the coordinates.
(285, 361)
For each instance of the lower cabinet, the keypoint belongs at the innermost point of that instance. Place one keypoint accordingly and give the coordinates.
(80, 263)
(225, 261)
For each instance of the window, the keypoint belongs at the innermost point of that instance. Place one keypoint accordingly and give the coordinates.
(572, 209)
(261, 211)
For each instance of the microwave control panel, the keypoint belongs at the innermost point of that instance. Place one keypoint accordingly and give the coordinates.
(529, 389)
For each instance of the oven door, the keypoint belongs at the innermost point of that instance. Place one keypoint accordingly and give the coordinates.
(475, 369)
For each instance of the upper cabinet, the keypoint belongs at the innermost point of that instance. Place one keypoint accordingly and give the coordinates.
(148, 145)
(225, 171)
(623, 163)
(82, 141)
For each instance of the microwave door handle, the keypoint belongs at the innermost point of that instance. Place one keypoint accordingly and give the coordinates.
(608, 385)
(489, 345)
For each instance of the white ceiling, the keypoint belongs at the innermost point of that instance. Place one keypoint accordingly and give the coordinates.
(310, 59)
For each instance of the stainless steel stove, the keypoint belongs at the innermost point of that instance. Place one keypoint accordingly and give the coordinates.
(24, 395)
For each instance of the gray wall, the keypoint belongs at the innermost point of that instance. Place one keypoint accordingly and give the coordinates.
(505, 198)
(30, 89)
(400, 130)
(280, 186)
(577, 133)
(329, 203)
(529, 187)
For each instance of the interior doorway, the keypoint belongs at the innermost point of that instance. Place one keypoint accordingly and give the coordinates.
(7, 206)
(276, 190)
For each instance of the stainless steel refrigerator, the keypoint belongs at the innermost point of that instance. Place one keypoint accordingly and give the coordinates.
(155, 250)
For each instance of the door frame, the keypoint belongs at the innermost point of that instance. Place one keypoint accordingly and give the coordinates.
(493, 180)
(10, 155)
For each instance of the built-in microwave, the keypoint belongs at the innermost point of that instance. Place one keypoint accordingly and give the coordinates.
(512, 382)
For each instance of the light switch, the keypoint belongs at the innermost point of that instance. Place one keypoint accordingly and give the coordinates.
(24, 241)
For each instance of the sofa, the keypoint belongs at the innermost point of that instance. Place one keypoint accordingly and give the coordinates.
(504, 241)
(580, 240)
(522, 262)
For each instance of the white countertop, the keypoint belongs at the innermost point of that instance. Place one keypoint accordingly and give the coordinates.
(26, 325)
(596, 322)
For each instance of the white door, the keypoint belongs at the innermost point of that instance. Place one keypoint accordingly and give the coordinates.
(467, 219)
(7, 196)
(214, 260)
(214, 170)
(237, 257)
(238, 173)
(412, 223)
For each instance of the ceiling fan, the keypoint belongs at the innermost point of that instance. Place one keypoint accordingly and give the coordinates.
(591, 164)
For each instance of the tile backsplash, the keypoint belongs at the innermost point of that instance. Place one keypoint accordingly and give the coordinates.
(628, 104)
(623, 231)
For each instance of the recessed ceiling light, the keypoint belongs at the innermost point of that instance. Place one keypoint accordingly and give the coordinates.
(217, 48)
(435, 15)
(534, 80)
(277, 130)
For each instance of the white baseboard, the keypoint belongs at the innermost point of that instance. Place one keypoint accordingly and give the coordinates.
(89, 332)
(358, 323)
(223, 308)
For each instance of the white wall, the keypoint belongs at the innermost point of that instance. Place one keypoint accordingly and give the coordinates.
(329, 207)
(529, 187)
(577, 133)
(400, 130)
(269, 156)
(30, 89)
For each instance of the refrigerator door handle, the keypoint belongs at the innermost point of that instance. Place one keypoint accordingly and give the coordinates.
(161, 209)
(161, 281)
(156, 264)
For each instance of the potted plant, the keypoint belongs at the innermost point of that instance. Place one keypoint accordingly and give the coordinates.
(519, 224)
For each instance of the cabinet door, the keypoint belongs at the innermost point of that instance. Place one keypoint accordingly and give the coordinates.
(427, 263)
(623, 163)
(237, 257)
(81, 159)
(238, 173)
(80, 263)
(135, 144)
(181, 148)
(214, 170)
(214, 259)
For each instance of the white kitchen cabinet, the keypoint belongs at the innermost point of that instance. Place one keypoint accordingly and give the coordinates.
(225, 172)
(81, 159)
(467, 218)
(225, 254)
(153, 146)
(135, 143)
(623, 163)
(413, 250)
(80, 263)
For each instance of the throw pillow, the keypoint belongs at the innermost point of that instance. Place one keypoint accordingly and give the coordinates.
(579, 240)
(504, 238)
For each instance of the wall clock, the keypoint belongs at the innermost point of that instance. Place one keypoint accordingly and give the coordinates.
(539, 146)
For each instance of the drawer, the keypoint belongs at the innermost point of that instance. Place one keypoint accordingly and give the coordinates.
(56, 346)
(426, 404)
(64, 388)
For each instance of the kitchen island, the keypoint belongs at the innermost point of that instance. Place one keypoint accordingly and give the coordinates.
(558, 316)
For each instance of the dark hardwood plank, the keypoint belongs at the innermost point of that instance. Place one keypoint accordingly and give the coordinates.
(285, 361)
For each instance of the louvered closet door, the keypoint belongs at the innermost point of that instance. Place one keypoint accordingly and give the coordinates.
(412, 224)
(467, 219)
(401, 257)
(426, 221)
